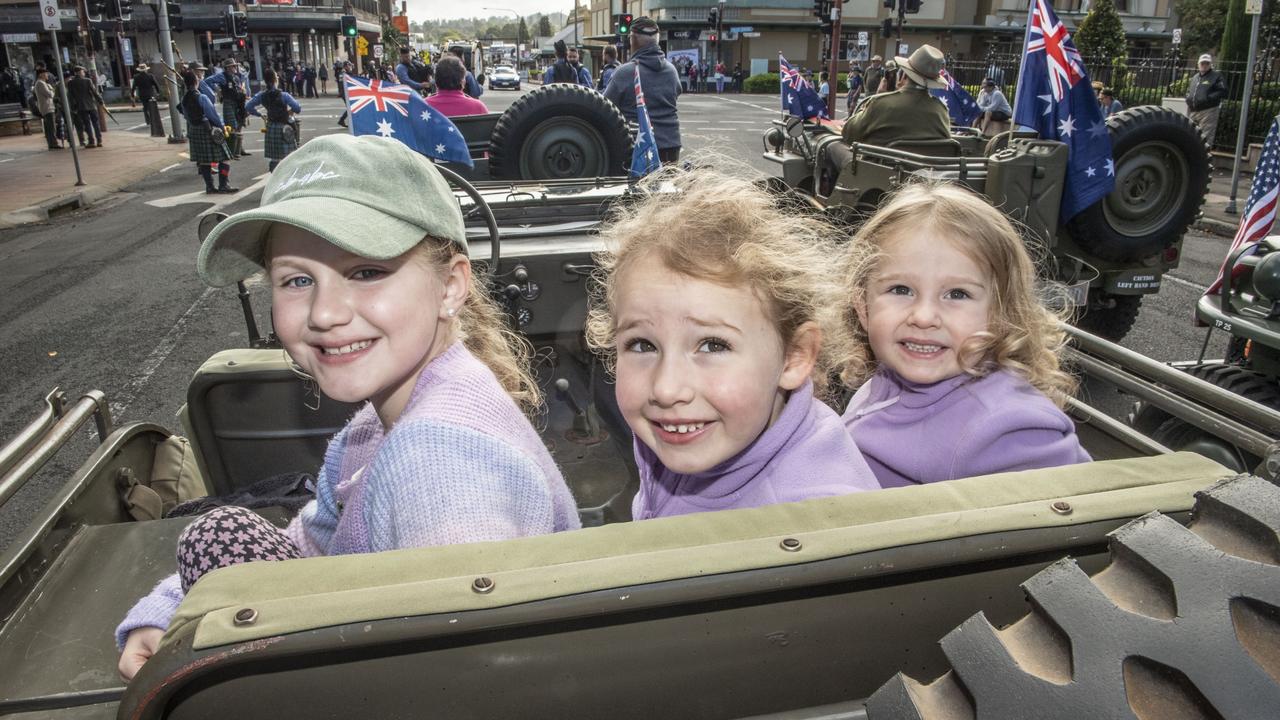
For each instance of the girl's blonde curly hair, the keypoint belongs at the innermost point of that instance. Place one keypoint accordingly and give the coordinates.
(725, 229)
(1023, 335)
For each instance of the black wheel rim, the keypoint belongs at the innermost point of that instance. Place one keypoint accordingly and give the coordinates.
(564, 147)
(1151, 185)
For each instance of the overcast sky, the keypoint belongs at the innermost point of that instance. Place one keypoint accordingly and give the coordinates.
(420, 10)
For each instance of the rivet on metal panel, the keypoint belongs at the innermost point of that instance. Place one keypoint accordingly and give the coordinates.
(482, 585)
(1062, 507)
(246, 616)
(790, 544)
(231, 363)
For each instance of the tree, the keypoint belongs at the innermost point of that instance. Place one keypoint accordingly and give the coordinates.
(1101, 34)
(522, 32)
(1201, 22)
(544, 27)
(1235, 35)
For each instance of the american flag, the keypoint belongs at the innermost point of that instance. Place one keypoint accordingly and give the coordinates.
(1055, 98)
(798, 96)
(644, 156)
(395, 111)
(1260, 210)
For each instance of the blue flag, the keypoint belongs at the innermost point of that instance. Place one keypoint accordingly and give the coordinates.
(644, 156)
(1056, 99)
(798, 96)
(396, 111)
(960, 104)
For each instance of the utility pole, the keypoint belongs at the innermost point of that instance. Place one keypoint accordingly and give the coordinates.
(53, 23)
(719, 31)
(1254, 8)
(833, 67)
(175, 90)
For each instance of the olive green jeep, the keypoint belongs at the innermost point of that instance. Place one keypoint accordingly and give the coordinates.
(1110, 255)
(818, 609)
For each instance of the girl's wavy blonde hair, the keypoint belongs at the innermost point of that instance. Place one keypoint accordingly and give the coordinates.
(721, 228)
(1023, 334)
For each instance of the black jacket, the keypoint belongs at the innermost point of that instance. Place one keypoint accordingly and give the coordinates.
(145, 86)
(82, 94)
(1205, 91)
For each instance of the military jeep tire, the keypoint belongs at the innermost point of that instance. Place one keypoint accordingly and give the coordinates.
(1182, 623)
(560, 131)
(1162, 175)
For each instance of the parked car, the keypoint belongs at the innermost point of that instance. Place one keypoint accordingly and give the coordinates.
(503, 76)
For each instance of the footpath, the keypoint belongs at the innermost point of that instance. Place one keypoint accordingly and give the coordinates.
(36, 182)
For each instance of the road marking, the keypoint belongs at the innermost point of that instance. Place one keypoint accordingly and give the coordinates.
(8, 160)
(167, 169)
(721, 98)
(126, 395)
(215, 202)
(135, 127)
(1186, 283)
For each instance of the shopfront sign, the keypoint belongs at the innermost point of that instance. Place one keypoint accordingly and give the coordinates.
(20, 37)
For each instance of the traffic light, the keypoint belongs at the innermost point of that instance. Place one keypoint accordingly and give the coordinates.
(349, 26)
(239, 24)
(240, 43)
(174, 10)
(910, 7)
(713, 38)
(125, 8)
(886, 28)
(96, 9)
(713, 17)
(228, 26)
(889, 4)
(623, 26)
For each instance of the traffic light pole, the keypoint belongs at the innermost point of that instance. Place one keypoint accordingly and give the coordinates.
(66, 105)
(175, 90)
(833, 67)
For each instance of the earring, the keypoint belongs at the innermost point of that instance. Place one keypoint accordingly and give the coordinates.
(450, 312)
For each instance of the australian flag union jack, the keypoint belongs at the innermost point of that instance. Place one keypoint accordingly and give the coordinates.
(960, 104)
(1260, 210)
(397, 111)
(644, 156)
(798, 96)
(1055, 98)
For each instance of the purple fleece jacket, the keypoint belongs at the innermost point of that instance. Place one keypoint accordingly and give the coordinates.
(806, 453)
(462, 464)
(959, 427)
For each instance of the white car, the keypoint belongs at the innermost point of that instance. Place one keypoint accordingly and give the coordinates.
(504, 76)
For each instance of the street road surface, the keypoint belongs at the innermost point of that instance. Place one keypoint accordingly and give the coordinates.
(108, 298)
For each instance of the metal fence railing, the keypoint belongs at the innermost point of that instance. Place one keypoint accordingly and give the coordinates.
(1148, 80)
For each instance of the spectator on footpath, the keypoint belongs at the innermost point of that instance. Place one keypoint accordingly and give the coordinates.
(738, 75)
(1205, 92)
(449, 97)
(856, 89)
(825, 85)
(147, 91)
(582, 76)
(719, 78)
(323, 73)
(660, 83)
(610, 65)
(45, 106)
(994, 108)
(693, 77)
(85, 99)
(1108, 102)
(704, 72)
(309, 77)
(875, 73)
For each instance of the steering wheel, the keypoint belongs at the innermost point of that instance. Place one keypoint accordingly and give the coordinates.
(480, 208)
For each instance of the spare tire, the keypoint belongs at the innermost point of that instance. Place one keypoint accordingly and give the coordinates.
(560, 131)
(1162, 177)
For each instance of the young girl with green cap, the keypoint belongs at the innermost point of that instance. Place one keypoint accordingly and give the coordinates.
(373, 298)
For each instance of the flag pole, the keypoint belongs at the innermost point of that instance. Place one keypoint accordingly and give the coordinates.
(1244, 109)
(1022, 66)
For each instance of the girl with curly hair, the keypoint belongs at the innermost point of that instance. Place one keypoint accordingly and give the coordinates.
(717, 313)
(955, 356)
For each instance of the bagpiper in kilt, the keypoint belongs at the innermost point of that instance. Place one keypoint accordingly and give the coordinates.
(206, 144)
(233, 99)
(282, 129)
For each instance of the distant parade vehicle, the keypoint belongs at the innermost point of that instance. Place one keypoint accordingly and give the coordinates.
(504, 76)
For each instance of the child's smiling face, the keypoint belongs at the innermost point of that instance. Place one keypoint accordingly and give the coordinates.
(924, 300)
(364, 329)
(701, 368)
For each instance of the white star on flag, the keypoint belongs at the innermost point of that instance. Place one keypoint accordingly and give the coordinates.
(791, 98)
(808, 108)
(1111, 167)
(450, 128)
(1048, 102)
(426, 115)
(1090, 171)
(1098, 129)
(440, 148)
(384, 129)
(1068, 126)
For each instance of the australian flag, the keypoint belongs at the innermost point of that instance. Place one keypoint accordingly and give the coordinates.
(396, 111)
(1055, 98)
(644, 156)
(798, 96)
(960, 104)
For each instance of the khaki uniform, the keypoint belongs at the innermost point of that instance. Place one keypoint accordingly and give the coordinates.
(907, 114)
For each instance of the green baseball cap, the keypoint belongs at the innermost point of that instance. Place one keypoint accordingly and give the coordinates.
(369, 195)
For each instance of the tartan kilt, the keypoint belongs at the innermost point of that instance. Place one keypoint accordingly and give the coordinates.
(275, 146)
(202, 148)
(229, 111)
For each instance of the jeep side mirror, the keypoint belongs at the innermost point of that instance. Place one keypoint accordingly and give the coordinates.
(795, 126)
(208, 223)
